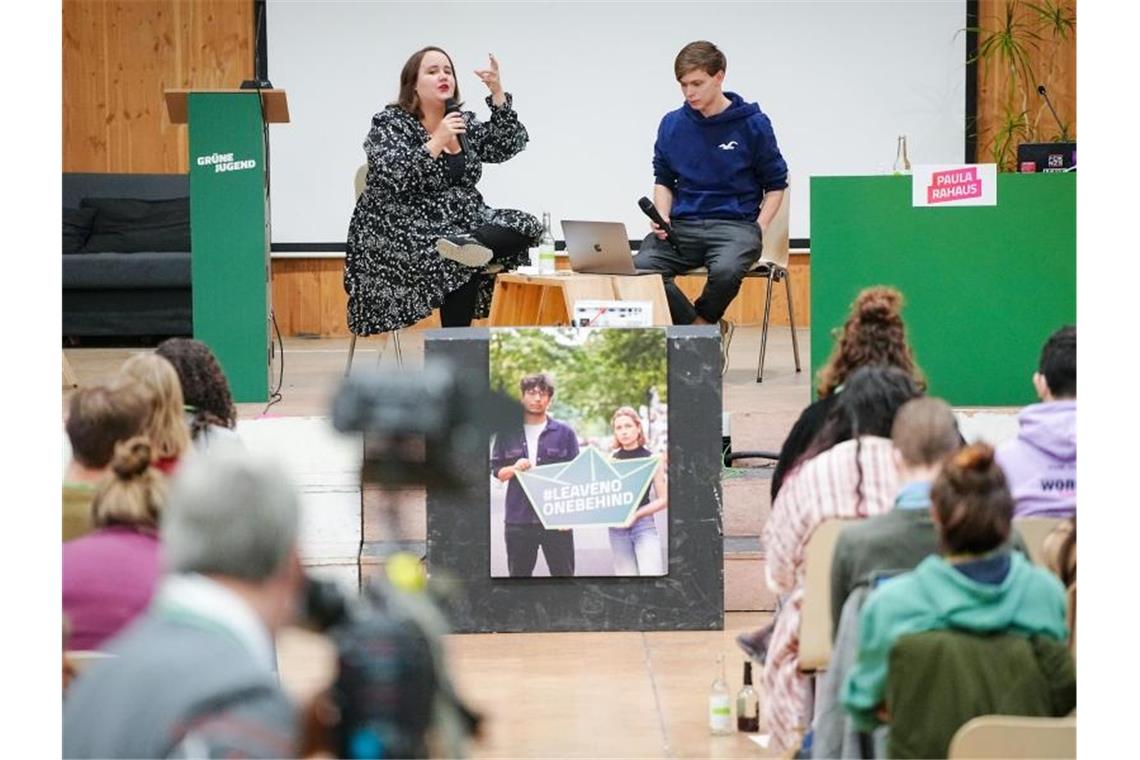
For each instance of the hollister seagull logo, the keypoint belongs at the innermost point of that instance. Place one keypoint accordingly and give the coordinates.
(730, 145)
(590, 490)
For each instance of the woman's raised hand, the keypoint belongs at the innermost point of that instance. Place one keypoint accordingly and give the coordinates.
(490, 77)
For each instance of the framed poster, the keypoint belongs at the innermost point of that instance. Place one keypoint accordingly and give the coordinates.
(581, 488)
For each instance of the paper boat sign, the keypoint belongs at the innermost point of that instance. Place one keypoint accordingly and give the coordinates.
(590, 490)
(954, 185)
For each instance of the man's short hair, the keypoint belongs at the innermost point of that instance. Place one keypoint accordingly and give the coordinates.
(231, 513)
(702, 55)
(537, 380)
(1058, 362)
(100, 416)
(925, 431)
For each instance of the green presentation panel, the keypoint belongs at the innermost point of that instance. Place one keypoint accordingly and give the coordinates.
(229, 237)
(984, 286)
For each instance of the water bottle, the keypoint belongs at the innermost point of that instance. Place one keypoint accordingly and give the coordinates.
(720, 703)
(902, 163)
(546, 246)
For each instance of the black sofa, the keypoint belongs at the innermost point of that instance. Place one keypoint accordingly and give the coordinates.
(130, 276)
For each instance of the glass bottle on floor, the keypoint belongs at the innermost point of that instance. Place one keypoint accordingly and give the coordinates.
(747, 704)
(720, 703)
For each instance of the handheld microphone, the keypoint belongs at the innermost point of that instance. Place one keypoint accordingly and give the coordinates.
(1042, 93)
(453, 107)
(651, 211)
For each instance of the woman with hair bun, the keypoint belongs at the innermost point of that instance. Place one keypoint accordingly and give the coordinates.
(109, 575)
(166, 426)
(977, 585)
(873, 335)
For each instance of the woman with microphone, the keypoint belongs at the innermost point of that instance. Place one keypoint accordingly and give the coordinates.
(421, 234)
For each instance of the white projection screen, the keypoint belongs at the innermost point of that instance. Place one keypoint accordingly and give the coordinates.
(591, 80)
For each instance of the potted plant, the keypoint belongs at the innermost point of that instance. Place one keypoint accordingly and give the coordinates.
(1020, 49)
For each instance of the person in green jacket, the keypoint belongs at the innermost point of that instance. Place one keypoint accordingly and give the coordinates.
(976, 585)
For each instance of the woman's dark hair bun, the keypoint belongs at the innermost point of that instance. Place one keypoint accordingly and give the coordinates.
(132, 457)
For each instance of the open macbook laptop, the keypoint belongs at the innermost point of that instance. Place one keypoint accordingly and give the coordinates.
(598, 248)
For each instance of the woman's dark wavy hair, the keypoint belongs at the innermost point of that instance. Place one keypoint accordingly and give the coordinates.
(408, 99)
(204, 385)
(874, 333)
(870, 400)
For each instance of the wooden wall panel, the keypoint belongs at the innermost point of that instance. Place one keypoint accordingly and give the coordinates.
(118, 57)
(1054, 61)
(309, 297)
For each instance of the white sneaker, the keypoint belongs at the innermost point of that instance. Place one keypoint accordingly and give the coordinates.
(466, 250)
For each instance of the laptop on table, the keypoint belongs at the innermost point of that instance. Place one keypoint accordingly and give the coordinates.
(598, 248)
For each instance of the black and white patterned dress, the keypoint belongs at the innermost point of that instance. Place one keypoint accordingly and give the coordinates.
(393, 274)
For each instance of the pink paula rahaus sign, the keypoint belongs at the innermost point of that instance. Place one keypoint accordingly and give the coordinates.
(935, 185)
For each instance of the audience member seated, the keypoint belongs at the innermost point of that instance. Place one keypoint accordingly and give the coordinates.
(194, 676)
(109, 574)
(848, 472)
(924, 432)
(874, 334)
(210, 410)
(1041, 463)
(98, 417)
(166, 424)
(977, 585)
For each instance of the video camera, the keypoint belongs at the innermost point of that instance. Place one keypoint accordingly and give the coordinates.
(392, 691)
(406, 415)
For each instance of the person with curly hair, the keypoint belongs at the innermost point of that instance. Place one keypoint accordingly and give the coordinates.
(165, 427)
(874, 334)
(109, 575)
(210, 410)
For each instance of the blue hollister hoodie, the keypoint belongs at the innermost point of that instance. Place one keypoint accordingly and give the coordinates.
(718, 167)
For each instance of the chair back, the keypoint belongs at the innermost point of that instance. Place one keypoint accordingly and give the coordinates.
(360, 180)
(815, 614)
(1009, 736)
(1034, 531)
(775, 247)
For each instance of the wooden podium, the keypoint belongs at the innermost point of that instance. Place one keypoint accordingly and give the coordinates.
(230, 226)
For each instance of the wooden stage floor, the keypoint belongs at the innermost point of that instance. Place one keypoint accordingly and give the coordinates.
(560, 694)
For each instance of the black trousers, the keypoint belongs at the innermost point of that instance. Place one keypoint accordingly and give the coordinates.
(458, 307)
(523, 542)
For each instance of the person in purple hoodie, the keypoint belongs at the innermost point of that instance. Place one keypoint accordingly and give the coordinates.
(1041, 463)
(719, 179)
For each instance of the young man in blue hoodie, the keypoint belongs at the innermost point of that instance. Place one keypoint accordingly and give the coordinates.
(719, 179)
(1041, 463)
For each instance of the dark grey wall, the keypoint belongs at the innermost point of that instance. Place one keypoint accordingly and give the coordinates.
(690, 597)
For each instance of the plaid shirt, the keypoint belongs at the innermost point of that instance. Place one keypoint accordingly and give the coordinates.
(820, 489)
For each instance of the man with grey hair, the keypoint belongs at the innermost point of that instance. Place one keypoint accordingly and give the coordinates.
(195, 676)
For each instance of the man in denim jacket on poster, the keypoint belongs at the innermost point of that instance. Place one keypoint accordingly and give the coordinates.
(542, 440)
